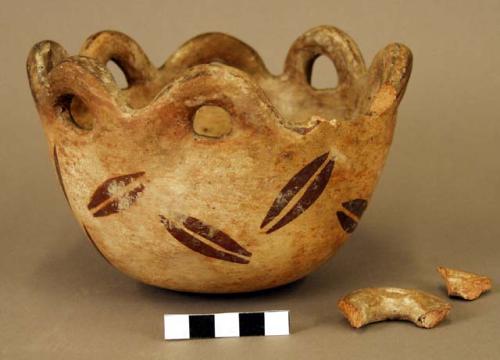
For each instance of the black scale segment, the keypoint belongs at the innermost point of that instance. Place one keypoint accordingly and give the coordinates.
(201, 326)
(251, 324)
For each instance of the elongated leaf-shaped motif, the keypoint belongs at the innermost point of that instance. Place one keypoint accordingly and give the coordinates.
(356, 208)
(296, 183)
(113, 206)
(308, 198)
(214, 235)
(209, 233)
(114, 194)
(102, 193)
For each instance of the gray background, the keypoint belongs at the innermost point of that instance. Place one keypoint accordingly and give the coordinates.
(436, 204)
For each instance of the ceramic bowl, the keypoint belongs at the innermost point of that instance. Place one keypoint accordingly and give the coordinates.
(209, 173)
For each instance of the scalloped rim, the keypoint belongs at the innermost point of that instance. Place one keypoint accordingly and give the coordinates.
(48, 62)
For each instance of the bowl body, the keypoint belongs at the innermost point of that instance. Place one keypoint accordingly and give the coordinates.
(209, 174)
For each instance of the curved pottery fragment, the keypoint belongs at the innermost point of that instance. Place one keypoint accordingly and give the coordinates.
(210, 174)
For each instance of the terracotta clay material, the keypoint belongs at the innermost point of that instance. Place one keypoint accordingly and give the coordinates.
(468, 286)
(210, 174)
(365, 306)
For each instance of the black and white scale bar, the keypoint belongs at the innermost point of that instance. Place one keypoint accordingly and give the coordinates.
(267, 323)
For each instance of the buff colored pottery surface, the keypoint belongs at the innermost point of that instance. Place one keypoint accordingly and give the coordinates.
(209, 174)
